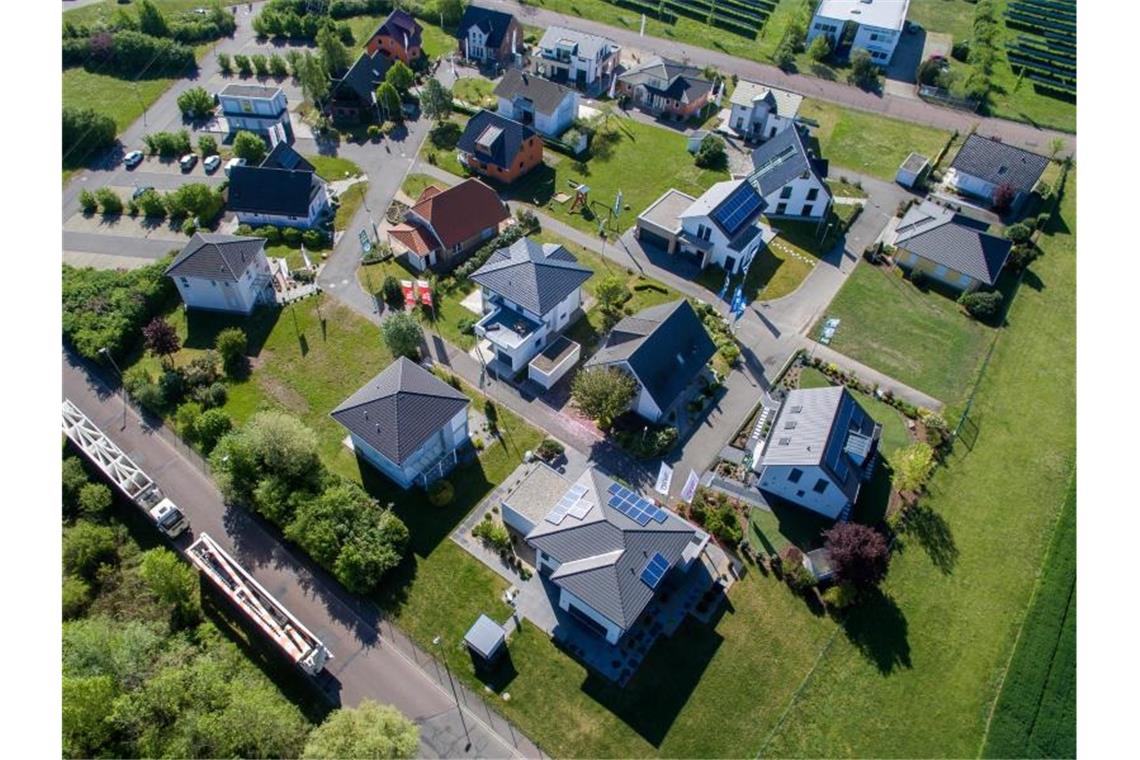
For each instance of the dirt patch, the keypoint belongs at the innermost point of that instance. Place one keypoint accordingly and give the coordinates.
(283, 394)
(261, 360)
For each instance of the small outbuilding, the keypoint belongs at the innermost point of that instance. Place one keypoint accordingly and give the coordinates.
(913, 169)
(485, 639)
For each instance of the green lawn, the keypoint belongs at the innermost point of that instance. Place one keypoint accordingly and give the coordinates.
(334, 168)
(439, 148)
(105, 10)
(921, 338)
(351, 199)
(414, 184)
(841, 188)
(476, 91)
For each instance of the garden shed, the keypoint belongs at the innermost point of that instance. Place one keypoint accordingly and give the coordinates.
(485, 638)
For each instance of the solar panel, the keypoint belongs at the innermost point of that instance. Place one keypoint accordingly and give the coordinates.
(635, 507)
(737, 208)
(654, 570)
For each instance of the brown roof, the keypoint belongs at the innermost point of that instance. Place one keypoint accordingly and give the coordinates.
(415, 238)
(428, 192)
(461, 212)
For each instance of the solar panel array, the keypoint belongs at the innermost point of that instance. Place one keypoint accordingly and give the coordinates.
(637, 508)
(775, 161)
(571, 504)
(737, 208)
(654, 570)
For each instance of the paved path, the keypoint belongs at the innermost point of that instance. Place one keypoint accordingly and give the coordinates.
(371, 658)
(870, 375)
(907, 109)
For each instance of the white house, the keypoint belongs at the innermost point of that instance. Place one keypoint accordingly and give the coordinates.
(723, 226)
(982, 165)
(407, 423)
(821, 448)
(874, 25)
(585, 61)
(274, 194)
(759, 112)
(222, 273)
(255, 108)
(536, 102)
(789, 178)
(489, 36)
(530, 293)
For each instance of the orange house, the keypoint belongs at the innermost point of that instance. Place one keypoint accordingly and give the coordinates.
(399, 38)
(498, 147)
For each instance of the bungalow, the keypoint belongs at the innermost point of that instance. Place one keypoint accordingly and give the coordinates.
(400, 37)
(609, 552)
(530, 292)
(283, 191)
(759, 112)
(255, 108)
(665, 88)
(222, 273)
(581, 60)
(536, 102)
(498, 147)
(407, 423)
(352, 97)
(789, 178)
(874, 25)
(489, 36)
(953, 249)
(983, 165)
(444, 226)
(665, 348)
(822, 447)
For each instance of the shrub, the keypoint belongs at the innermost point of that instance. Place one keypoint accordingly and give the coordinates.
(74, 478)
(94, 499)
(260, 64)
(859, 554)
(202, 370)
(76, 596)
(86, 130)
(87, 201)
(549, 449)
(185, 419)
(225, 63)
(196, 103)
(466, 325)
(1003, 197)
(493, 534)
(207, 145)
(277, 66)
(152, 204)
(189, 226)
(819, 49)
(711, 153)
(440, 493)
(840, 596)
(109, 201)
(244, 67)
(209, 428)
(231, 345)
(1018, 233)
(86, 546)
(374, 132)
(982, 306)
(105, 308)
(864, 73)
(271, 234)
(168, 144)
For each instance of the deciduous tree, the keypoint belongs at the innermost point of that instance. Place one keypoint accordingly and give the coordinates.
(334, 54)
(249, 146)
(402, 335)
(435, 100)
(367, 730)
(161, 339)
(94, 499)
(196, 103)
(859, 554)
(174, 582)
(400, 77)
(602, 393)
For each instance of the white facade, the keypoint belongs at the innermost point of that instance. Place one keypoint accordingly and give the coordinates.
(434, 458)
(513, 349)
(804, 488)
(317, 205)
(878, 25)
(563, 59)
(550, 124)
(757, 121)
(226, 295)
(475, 45)
(803, 197)
(612, 631)
(250, 112)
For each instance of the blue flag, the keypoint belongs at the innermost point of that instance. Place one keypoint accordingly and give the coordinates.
(724, 288)
(737, 307)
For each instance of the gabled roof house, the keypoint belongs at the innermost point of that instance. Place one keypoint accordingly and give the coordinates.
(489, 36)
(759, 112)
(663, 87)
(950, 248)
(498, 147)
(284, 191)
(984, 164)
(789, 177)
(400, 37)
(444, 226)
(536, 102)
(352, 97)
(222, 273)
(576, 58)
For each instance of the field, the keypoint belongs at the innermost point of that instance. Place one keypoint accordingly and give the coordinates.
(476, 91)
(106, 9)
(333, 168)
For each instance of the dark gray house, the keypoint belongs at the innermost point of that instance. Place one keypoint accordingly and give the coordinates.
(982, 165)
(953, 249)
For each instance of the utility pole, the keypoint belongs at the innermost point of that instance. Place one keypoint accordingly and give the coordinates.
(438, 641)
(122, 383)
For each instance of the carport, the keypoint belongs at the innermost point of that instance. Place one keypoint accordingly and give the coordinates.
(660, 224)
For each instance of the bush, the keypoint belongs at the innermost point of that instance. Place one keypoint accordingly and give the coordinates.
(819, 49)
(1003, 197)
(792, 568)
(711, 153)
(109, 201)
(440, 493)
(982, 306)
(1018, 233)
(168, 144)
(466, 325)
(105, 308)
(125, 53)
(209, 428)
(152, 204)
(76, 596)
(840, 596)
(231, 345)
(864, 72)
(202, 370)
(86, 546)
(74, 478)
(88, 202)
(94, 499)
(277, 66)
(185, 418)
(271, 234)
(207, 145)
(493, 534)
(196, 103)
(961, 50)
(244, 67)
(225, 63)
(374, 132)
(717, 514)
(86, 130)
(189, 226)
(549, 449)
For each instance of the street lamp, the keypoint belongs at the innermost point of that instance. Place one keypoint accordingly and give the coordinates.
(438, 641)
(122, 383)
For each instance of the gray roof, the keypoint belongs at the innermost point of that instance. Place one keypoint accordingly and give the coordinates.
(666, 211)
(914, 163)
(783, 103)
(998, 163)
(216, 257)
(534, 275)
(485, 637)
(249, 90)
(399, 409)
(935, 233)
(269, 190)
(283, 156)
(666, 346)
(603, 553)
(537, 491)
(780, 160)
(588, 45)
(544, 94)
(684, 83)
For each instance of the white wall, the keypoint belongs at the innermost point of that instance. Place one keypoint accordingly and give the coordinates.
(880, 43)
(795, 202)
(774, 479)
(613, 632)
(223, 295)
(554, 124)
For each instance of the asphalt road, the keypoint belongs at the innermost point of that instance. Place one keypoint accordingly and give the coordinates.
(368, 661)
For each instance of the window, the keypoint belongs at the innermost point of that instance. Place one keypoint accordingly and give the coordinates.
(807, 210)
(781, 208)
(795, 475)
(874, 38)
(813, 194)
(185, 282)
(820, 486)
(786, 192)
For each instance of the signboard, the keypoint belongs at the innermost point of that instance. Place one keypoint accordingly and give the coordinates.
(617, 204)
(664, 479)
(365, 243)
(690, 488)
(409, 293)
(724, 288)
(425, 291)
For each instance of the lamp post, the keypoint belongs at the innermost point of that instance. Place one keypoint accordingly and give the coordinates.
(438, 641)
(122, 384)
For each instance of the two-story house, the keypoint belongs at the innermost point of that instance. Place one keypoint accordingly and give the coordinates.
(222, 273)
(489, 36)
(352, 97)
(789, 178)
(255, 108)
(723, 226)
(530, 293)
(399, 38)
(407, 423)
(443, 227)
(665, 88)
(759, 112)
(585, 61)
(951, 248)
(498, 147)
(283, 191)
(874, 25)
(821, 448)
(536, 102)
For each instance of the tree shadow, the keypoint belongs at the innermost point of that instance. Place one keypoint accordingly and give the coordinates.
(933, 534)
(878, 629)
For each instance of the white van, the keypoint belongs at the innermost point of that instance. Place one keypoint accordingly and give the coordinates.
(232, 163)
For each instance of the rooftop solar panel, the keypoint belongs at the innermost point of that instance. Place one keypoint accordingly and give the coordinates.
(654, 570)
(737, 208)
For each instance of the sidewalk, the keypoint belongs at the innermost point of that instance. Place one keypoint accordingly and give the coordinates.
(865, 373)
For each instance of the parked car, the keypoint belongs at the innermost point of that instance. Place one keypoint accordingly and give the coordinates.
(211, 163)
(133, 159)
(232, 163)
(187, 162)
(140, 190)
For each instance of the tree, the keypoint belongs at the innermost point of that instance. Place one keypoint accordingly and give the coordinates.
(612, 294)
(859, 554)
(929, 71)
(819, 48)
(400, 77)
(310, 72)
(87, 705)
(402, 335)
(864, 72)
(173, 581)
(711, 153)
(86, 130)
(109, 201)
(74, 478)
(196, 200)
(912, 467)
(88, 202)
(185, 418)
(231, 344)
(196, 103)
(388, 101)
(161, 339)
(225, 64)
(273, 454)
(982, 306)
(450, 11)
(249, 146)
(1003, 197)
(435, 100)
(151, 20)
(75, 596)
(334, 54)
(151, 204)
(94, 499)
(368, 730)
(392, 292)
(277, 66)
(207, 145)
(602, 393)
(1018, 233)
(85, 547)
(210, 427)
(784, 56)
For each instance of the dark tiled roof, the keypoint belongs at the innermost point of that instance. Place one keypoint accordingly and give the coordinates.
(545, 95)
(259, 190)
(936, 234)
(400, 24)
(284, 157)
(666, 347)
(494, 23)
(399, 409)
(998, 163)
(505, 146)
(216, 257)
(359, 83)
(780, 160)
(535, 276)
(459, 213)
(684, 83)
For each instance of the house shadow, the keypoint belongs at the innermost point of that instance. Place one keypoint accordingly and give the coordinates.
(874, 496)
(496, 675)
(877, 627)
(202, 327)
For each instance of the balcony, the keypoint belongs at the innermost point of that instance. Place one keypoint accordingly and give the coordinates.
(506, 328)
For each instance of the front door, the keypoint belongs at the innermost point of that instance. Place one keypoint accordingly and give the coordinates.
(730, 264)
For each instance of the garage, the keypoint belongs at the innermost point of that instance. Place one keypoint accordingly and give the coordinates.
(660, 224)
(648, 237)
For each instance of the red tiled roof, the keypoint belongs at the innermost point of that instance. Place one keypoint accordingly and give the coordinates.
(413, 237)
(461, 212)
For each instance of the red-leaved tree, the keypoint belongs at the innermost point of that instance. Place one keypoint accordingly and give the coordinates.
(859, 554)
(1003, 197)
(161, 339)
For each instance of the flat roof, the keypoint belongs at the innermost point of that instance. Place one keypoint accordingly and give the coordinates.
(537, 492)
(554, 354)
(883, 14)
(485, 637)
(914, 163)
(249, 90)
(666, 211)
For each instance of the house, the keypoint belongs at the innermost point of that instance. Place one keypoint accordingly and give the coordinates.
(822, 447)
(222, 273)
(953, 249)
(489, 36)
(352, 97)
(723, 226)
(444, 226)
(530, 293)
(874, 25)
(585, 61)
(283, 191)
(610, 552)
(665, 348)
(759, 112)
(400, 37)
(498, 147)
(665, 88)
(536, 102)
(407, 423)
(982, 165)
(913, 170)
(256, 108)
(789, 178)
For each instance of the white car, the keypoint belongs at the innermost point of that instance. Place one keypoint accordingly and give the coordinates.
(187, 162)
(211, 163)
(133, 159)
(232, 163)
